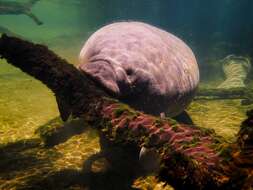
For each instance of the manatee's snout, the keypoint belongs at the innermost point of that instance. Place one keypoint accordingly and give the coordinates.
(113, 78)
(132, 82)
(124, 81)
(103, 73)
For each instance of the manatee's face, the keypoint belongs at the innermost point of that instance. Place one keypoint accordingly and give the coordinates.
(104, 73)
(120, 81)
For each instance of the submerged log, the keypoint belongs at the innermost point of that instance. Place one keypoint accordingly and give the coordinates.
(243, 94)
(218, 93)
(18, 8)
(191, 157)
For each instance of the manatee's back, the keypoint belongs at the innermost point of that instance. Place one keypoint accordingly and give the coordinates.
(144, 66)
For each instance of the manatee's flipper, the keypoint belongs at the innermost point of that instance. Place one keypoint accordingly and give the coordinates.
(35, 19)
(64, 108)
(184, 118)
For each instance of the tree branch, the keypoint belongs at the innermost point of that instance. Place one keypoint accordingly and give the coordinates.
(245, 94)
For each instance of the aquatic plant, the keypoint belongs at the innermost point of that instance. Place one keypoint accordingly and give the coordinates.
(191, 158)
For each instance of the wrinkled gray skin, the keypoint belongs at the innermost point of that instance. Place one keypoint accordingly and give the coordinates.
(144, 66)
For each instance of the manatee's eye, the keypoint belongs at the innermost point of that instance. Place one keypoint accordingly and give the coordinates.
(129, 71)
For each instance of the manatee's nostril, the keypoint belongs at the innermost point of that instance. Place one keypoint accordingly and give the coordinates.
(129, 71)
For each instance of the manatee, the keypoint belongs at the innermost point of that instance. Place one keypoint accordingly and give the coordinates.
(17, 8)
(144, 66)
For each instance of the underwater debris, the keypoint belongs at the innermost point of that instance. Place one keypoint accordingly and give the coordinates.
(189, 156)
(232, 93)
(17, 8)
(243, 93)
(236, 69)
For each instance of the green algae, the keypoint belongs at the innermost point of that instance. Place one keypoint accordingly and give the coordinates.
(121, 108)
(161, 129)
(158, 122)
(206, 131)
(190, 144)
(118, 112)
(226, 152)
(175, 128)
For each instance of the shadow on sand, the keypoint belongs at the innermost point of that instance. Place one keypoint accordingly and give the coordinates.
(113, 168)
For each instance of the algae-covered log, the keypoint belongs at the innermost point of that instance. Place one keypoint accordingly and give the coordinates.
(191, 157)
(218, 93)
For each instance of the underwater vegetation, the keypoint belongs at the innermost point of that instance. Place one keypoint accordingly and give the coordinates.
(191, 156)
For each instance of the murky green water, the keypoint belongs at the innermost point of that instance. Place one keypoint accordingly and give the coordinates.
(26, 104)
